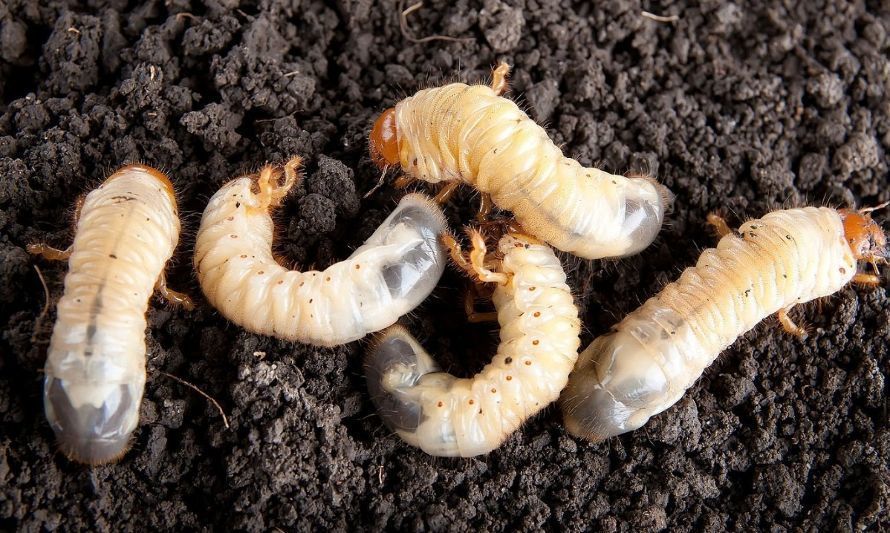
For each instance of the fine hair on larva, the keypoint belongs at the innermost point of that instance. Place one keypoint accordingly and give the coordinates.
(385, 278)
(539, 327)
(469, 134)
(126, 231)
(768, 266)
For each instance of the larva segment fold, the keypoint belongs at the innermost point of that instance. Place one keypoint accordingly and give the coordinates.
(657, 352)
(447, 416)
(470, 134)
(386, 277)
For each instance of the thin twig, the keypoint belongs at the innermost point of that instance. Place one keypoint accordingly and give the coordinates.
(403, 25)
(204, 394)
(660, 18)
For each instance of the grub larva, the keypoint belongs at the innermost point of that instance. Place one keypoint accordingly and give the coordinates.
(658, 351)
(127, 229)
(388, 276)
(447, 416)
(468, 133)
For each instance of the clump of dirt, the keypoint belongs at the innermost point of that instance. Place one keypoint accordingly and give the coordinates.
(737, 107)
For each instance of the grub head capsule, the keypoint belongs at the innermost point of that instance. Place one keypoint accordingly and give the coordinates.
(864, 236)
(384, 139)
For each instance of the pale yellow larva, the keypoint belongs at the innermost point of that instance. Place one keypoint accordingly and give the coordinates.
(388, 276)
(658, 351)
(469, 133)
(447, 416)
(127, 229)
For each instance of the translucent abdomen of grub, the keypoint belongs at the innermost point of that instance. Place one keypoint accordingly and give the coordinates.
(93, 421)
(616, 387)
(413, 230)
(392, 368)
(645, 205)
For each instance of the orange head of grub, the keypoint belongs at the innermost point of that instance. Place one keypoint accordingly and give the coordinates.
(864, 236)
(385, 139)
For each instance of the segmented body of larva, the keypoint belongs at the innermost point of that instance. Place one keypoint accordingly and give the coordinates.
(470, 134)
(658, 351)
(447, 416)
(95, 370)
(388, 276)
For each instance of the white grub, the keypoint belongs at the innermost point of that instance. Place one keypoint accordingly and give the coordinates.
(127, 229)
(539, 327)
(470, 134)
(651, 357)
(388, 276)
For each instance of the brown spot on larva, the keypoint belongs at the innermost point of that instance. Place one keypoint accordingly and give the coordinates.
(842, 270)
(508, 360)
(357, 267)
(440, 404)
(237, 205)
(260, 273)
(328, 278)
(528, 363)
(494, 390)
(302, 283)
(414, 162)
(531, 288)
(536, 342)
(537, 314)
(243, 256)
(471, 402)
(112, 256)
(233, 236)
(280, 281)
(230, 219)
(310, 300)
(509, 378)
(788, 237)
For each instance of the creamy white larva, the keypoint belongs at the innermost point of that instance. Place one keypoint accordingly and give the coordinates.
(95, 369)
(470, 134)
(388, 276)
(447, 416)
(658, 351)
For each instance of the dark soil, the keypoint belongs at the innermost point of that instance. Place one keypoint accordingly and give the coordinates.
(737, 107)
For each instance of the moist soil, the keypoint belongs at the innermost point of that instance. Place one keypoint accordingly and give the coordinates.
(739, 108)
